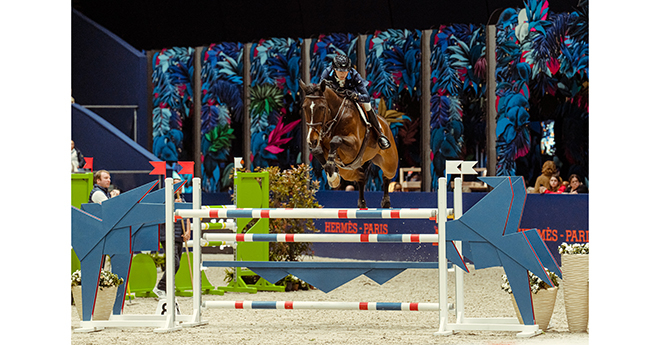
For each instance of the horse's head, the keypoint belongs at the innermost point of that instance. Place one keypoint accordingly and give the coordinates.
(316, 111)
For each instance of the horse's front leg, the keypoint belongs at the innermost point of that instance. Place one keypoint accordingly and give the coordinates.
(317, 152)
(361, 202)
(361, 181)
(330, 166)
(385, 202)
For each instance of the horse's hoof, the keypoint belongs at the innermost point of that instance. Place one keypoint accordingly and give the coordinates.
(333, 180)
(362, 204)
(385, 204)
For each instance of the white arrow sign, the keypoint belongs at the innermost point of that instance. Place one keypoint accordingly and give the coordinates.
(453, 167)
(467, 168)
(461, 167)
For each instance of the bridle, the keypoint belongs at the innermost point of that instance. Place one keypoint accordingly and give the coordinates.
(326, 126)
(327, 129)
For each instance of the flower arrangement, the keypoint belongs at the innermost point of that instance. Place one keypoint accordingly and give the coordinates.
(535, 283)
(107, 279)
(575, 248)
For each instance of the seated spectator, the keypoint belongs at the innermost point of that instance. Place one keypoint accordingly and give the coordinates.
(549, 169)
(394, 187)
(555, 186)
(575, 186)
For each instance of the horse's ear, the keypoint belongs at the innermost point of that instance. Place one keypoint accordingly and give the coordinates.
(322, 86)
(302, 85)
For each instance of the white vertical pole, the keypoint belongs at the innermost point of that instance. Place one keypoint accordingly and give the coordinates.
(441, 219)
(458, 212)
(169, 251)
(197, 252)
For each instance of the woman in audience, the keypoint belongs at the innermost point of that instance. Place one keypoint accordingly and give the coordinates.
(555, 186)
(549, 169)
(575, 186)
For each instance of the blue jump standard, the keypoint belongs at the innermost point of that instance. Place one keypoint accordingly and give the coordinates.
(325, 276)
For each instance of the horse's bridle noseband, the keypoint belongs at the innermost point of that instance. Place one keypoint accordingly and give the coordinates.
(327, 126)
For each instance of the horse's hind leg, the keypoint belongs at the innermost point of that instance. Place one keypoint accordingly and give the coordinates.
(385, 202)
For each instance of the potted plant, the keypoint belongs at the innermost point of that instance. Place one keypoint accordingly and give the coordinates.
(105, 295)
(543, 297)
(291, 188)
(575, 270)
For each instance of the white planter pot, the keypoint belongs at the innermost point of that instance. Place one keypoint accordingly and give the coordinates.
(575, 270)
(105, 300)
(544, 306)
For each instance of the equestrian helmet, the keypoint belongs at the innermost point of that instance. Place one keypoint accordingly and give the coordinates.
(341, 63)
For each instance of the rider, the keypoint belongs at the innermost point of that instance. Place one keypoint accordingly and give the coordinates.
(345, 79)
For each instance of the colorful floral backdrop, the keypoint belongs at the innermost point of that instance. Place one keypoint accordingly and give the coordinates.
(221, 114)
(275, 102)
(458, 85)
(172, 104)
(542, 75)
(393, 68)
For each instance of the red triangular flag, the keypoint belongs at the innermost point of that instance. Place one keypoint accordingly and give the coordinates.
(187, 168)
(89, 163)
(159, 168)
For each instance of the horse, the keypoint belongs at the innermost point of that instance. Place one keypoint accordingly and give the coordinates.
(341, 139)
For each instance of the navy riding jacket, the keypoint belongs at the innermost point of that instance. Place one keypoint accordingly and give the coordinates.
(353, 82)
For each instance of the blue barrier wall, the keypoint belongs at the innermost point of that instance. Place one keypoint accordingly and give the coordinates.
(105, 70)
(558, 218)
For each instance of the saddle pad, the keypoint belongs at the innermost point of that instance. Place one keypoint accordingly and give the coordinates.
(363, 116)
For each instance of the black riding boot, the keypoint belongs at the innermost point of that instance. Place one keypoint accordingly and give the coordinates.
(381, 139)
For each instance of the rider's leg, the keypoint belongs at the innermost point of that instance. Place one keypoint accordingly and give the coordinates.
(383, 143)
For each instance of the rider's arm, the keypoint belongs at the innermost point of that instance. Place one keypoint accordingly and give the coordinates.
(361, 87)
(325, 74)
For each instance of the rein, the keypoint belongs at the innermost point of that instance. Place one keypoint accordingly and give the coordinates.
(327, 126)
(327, 129)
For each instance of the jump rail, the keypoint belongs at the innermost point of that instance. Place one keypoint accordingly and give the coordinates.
(315, 213)
(345, 238)
(396, 306)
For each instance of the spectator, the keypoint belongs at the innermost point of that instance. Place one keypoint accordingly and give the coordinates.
(575, 186)
(100, 191)
(549, 169)
(394, 187)
(77, 159)
(181, 234)
(555, 186)
(98, 195)
(350, 188)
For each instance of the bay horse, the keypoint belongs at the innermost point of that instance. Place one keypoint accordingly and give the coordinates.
(340, 138)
